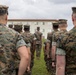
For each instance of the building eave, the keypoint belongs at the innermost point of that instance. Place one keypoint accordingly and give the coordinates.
(51, 20)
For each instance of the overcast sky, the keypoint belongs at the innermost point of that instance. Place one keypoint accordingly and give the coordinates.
(40, 9)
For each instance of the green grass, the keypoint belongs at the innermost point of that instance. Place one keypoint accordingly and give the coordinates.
(39, 66)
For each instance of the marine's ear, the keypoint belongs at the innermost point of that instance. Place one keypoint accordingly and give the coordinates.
(72, 18)
(6, 18)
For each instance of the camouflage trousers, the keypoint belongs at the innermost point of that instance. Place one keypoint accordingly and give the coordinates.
(27, 73)
(48, 63)
(32, 57)
(71, 71)
(8, 73)
(38, 50)
(32, 64)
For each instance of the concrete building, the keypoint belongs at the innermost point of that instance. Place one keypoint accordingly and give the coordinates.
(44, 24)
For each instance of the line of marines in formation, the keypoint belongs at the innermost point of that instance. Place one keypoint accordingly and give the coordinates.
(60, 48)
(17, 49)
(34, 42)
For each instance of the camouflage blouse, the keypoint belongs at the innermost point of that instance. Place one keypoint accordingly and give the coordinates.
(56, 41)
(69, 40)
(57, 37)
(10, 41)
(28, 37)
(68, 43)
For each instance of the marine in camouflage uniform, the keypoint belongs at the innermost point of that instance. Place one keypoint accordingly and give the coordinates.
(60, 54)
(18, 28)
(29, 38)
(68, 44)
(47, 52)
(10, 26)
(38, 36)
(47, 47)
(12, 48)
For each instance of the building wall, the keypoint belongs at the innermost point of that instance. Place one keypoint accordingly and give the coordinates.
(45, 26)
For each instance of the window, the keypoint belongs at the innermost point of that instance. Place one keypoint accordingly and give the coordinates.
(36, 23)
(43, 23)
(43, 30)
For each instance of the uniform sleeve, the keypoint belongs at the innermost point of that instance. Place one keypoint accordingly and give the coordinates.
(47, 41)
(63, 41)
(69, 41)
(28, 45)
(34, 38)
(53, 40)
(20, 42)
(60, 51)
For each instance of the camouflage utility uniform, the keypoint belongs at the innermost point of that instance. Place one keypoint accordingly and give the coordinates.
(57, 39)
(56, 42)
(48, 60)
(10, 26)
(18, 28)
(29, 38)
(9, 42)
(69, 45)
(47, 50)
(38, 36)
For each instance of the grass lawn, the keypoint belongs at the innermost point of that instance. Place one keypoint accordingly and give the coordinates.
(39, 66)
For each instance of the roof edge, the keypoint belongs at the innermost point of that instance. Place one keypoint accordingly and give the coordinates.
(32, 20)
